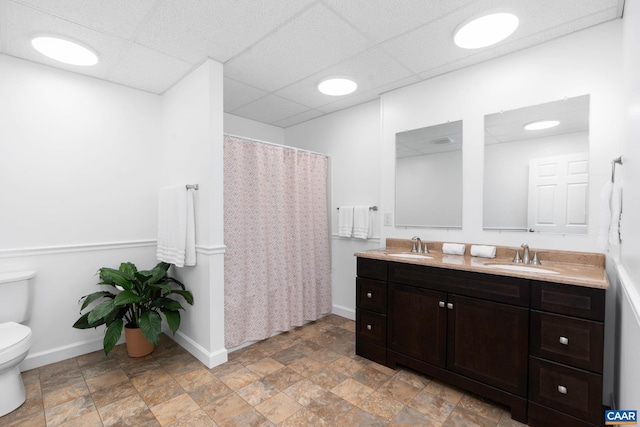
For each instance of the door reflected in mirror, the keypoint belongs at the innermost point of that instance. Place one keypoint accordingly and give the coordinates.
(536, 174)
(429, 176)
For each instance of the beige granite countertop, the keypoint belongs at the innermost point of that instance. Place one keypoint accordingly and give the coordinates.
(571, 268)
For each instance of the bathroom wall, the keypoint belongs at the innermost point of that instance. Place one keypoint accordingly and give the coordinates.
(78, 179)
(351, 138)
(192, 126)
(628, 269)
(239, 126)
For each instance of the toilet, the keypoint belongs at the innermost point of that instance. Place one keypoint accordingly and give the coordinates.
(15, 338)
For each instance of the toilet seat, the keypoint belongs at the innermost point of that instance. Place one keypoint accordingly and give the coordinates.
(15, 339)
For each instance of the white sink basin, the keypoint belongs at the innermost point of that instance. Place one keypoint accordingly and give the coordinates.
(518, 267)
(412, 256)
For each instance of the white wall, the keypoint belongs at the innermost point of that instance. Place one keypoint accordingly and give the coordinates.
(192, 125)
(628, 282)
(587, 62)
(239, 126)
(351, 138)
(78, 179)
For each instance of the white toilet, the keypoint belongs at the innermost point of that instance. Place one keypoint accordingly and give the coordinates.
(15, 339)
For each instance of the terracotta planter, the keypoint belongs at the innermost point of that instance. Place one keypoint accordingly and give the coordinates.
(137, 344)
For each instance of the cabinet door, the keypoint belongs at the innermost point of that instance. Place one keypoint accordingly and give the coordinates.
(488, 341)
(417, 323)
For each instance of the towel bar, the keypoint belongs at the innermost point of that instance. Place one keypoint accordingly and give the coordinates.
(373, 208)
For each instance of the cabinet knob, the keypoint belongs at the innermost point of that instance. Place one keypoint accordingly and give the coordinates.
(368, 327)
(562, 389)
(441, 304)
(369, 295)
(450, 306)
(564, 340)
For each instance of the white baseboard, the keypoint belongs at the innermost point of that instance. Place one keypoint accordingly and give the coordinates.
(347, 312)
(209, 359)
(42, 358)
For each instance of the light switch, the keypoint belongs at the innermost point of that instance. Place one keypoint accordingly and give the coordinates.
(388, 219)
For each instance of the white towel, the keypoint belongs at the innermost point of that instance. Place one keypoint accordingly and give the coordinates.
(361, 222)
(453, 248)
(616, 213)
(345, 221)
(483, 251)
(176, 226)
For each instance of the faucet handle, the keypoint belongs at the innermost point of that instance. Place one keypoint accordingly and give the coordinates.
(425, 249)
(517, 258)
(535, 260)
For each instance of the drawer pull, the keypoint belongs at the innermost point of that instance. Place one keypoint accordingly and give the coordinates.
(562, 389)
(564, 340)
(369, 295)
(441, 304)
(368, 327)
(450, 306)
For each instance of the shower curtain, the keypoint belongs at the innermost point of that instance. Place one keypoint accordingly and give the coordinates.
(277, 262)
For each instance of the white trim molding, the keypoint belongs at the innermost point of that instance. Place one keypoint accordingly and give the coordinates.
(211, 250)
(347, 312)
(209, 359)
(80, 247)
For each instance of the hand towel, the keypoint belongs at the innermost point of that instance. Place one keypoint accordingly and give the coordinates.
(602, 240)
(361, 222)
(483, 251)
(345, 221)
(176, 226)
(453, 248)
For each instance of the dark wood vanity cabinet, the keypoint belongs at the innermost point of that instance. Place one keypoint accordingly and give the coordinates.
(500, 337)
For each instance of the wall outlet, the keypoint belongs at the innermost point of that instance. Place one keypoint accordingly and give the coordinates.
(388, 219)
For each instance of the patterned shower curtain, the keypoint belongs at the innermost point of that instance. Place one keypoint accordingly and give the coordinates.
(277, 263)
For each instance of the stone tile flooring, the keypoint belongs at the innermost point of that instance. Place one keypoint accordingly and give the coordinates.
(306, 377)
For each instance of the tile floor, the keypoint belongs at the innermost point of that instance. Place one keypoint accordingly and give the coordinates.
(306, 377)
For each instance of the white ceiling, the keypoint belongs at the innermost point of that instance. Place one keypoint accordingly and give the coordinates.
(275, 51)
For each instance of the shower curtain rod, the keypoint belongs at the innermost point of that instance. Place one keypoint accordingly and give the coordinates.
(288, 147)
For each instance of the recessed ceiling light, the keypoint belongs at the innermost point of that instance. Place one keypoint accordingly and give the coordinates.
(65, 50)
(486, 30)
(337, 86)
(541, 124)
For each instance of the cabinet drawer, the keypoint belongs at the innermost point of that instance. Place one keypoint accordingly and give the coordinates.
(372, 268)
(371, 295)
(569, 390)
(371, 327)
(577, 301)
(575, 342)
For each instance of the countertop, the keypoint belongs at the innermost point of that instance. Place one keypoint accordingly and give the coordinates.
(571, 268)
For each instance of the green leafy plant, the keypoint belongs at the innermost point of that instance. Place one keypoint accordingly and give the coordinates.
(142, 296)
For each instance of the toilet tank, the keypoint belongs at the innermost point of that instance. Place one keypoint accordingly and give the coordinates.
(15, 294)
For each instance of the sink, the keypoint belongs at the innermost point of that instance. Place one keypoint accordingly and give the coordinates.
(518, 267)
(412, 256)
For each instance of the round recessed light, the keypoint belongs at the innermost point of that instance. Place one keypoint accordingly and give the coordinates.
(541, 124)
(486, 30)
(65, 50)
(337, 86)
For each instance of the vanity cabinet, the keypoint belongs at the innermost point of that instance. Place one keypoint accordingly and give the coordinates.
(566, 362)
(536, 347)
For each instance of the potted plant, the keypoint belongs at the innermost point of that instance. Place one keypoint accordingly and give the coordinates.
(142, 296)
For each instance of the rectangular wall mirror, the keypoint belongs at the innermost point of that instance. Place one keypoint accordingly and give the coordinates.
(536, 178)
(429, 176)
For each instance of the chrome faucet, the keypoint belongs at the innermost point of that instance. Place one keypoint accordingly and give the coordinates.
(525, 254)
(417, 244)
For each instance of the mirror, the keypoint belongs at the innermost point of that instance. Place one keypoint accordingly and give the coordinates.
(429, 176)
(537, 180)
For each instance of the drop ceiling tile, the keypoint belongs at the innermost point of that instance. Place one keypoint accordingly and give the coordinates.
(361, 98)
(23, 22)
(270, 109)
(237, 94)
(299, 118)
(381, 20)
(146, 69)
(313, 40)
(358, 67)
(220, 29)
(118, 17)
